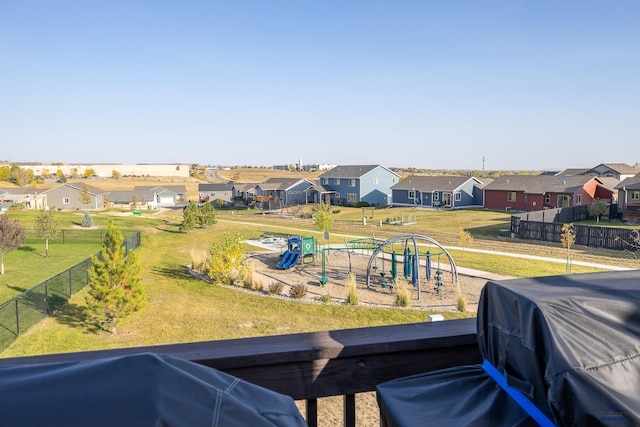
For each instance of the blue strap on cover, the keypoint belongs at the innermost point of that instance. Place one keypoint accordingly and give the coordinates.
(516, 395)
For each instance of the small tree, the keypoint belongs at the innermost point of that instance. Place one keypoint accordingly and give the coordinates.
(89, 172)
(46, 227)
(115, 174)
(85, 196)
(115, 285)
(87, 220)
(207, 215)
(322, 217)
(21, 176)
(568, 238)
(189, 217)
(597, 208)
(11, 236)
(226, 262)
(465, 239)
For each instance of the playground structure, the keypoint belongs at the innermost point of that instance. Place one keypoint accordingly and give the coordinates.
(410, 259)
(408, 255)
(298, 247)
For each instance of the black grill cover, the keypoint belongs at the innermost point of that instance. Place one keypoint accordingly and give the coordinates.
(141, 390)
(570, 343)
(574, 340)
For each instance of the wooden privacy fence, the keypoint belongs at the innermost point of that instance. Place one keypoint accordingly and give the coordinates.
(586, 235)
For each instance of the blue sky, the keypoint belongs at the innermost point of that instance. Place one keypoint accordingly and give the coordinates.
(427, 84)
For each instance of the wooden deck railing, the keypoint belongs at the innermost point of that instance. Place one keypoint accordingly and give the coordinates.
(312, 365)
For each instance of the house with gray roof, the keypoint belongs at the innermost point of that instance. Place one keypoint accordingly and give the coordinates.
(133, 199)
(67, 196)
(360, 183)
(215, 192)
(629, 198)
(276, 193)
(619, 171)
(537, 192)
(438, 191)
(166, 195)
(22, 198)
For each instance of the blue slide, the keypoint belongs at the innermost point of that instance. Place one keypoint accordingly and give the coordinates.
(292, 261)
(288, 260)
(285, 259)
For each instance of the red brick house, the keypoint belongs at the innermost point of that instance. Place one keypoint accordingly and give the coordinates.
(536, 192)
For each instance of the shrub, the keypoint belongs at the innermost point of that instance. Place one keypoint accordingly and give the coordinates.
(198, 260)
(402, 293)
(352, 290)
(361, 205)
(275, 288)
(462, 302)
(326, 298)
(298, 291)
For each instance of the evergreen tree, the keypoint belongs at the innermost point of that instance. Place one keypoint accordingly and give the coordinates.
(85, 196)
(87, 220)
(11, 236)
(207, 215)
(115, 285)
(189, 217)
(46, 227)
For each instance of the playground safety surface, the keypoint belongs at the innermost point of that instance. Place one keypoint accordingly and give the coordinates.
(337, 267)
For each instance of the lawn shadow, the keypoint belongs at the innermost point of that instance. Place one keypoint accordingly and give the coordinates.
(17, 288)
(180, 272)
(72, 315)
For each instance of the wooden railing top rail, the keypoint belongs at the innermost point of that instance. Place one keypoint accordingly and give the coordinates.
(318, 364)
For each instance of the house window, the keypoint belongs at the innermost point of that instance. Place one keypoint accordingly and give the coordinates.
(457, 197)
(511, 196)
(635, 195)
(412, 194)
(436, 197)
(337, 195)
(336, 181)
(325, 181)
(375, 181)
(578, 199)
(547, 198)
(352, 182)
(563, 201)
(351, 197)
(66, 200)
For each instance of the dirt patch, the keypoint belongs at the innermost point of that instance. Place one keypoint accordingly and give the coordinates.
(378, 293)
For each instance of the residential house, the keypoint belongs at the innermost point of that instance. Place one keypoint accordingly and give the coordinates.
(360, 183)
(629, 198)
(133, 199)
(22, 197)
(619, 171)
(67, 197)
(537, 192)
(244, 193)
(438, 191)
(166, 195)
(276, 193)
(216, 192)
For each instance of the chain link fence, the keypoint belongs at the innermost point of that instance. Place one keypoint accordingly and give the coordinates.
(27, 309)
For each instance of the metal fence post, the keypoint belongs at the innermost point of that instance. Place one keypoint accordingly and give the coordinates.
(46, 299)
(17, 318)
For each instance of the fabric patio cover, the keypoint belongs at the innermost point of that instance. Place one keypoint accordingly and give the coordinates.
(140, 390)
(570, 344)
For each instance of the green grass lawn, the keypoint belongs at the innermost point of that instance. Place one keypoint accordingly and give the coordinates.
(183, 308)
